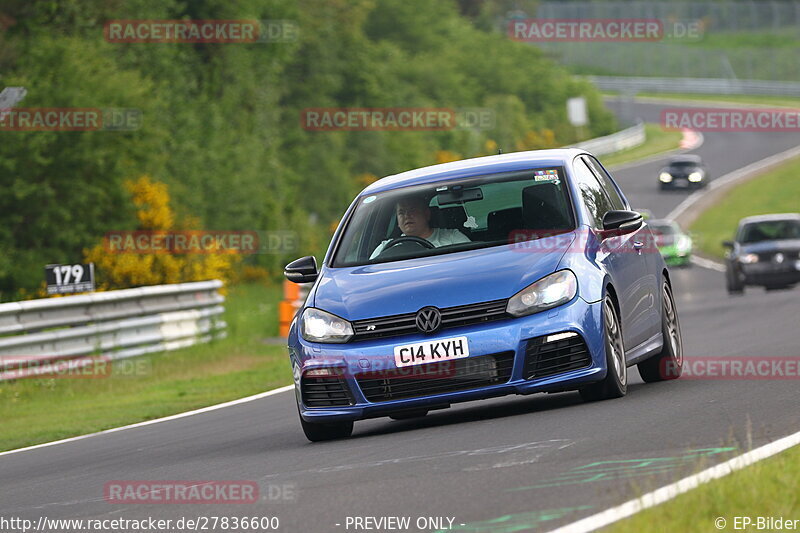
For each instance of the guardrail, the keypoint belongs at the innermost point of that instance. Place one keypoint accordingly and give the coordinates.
(43, 335)
(621, 140)
(696, 85)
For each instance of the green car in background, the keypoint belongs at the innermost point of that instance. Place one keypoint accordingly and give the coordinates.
(675, 245)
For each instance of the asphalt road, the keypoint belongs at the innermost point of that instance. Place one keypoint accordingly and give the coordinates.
(510, 464)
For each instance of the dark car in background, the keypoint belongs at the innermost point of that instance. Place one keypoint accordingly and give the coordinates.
(683, 172)
(766, 252)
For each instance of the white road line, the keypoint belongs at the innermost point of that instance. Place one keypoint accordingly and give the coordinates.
(668, 492)
(736, 175)
(156, 421)
(708, 263)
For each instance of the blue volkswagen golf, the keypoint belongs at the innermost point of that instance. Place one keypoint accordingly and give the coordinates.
(509, 274)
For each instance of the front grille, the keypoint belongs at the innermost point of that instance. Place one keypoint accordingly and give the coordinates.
(544, 358)
(405, 324)
(768, 257)
(437, 378)
(325, 392)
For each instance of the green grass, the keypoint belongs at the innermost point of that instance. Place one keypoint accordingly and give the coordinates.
(775, 192)
(41, 410)
(767, 488)
(782, 101)
(783, 38)
(657, 141)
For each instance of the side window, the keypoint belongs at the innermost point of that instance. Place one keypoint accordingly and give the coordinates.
(607, 182)
(595, 199)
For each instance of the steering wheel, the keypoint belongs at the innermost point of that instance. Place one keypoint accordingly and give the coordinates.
(407, 238)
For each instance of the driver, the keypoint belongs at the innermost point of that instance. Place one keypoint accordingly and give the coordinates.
(413, 217)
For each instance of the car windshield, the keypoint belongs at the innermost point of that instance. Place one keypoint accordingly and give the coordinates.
(663, 229)
(453, 216)
(683, 164)
(770, 230)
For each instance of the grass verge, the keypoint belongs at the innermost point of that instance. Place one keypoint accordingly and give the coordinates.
(657, 141)
(775, 192)
(42, 410)
(766, 489)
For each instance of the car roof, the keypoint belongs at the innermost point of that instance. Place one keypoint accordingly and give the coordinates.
(768, 218)
(686, 158)
(476, 166)
(663, 222)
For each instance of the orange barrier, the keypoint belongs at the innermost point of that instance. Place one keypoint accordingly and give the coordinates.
(294, 294)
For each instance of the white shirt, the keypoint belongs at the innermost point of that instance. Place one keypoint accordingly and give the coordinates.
(439, 237)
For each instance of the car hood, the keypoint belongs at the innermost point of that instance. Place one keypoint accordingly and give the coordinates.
(447, 280)
(785, 245)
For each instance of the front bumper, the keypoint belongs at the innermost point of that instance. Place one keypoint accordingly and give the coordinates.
(767, 274)
(356, 359)
(674, 257)
(682, 183)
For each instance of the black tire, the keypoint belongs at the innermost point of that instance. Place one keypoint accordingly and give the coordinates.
(733, 283)
(328, 431)
(668, 363)
(615, 384)
(408, 415)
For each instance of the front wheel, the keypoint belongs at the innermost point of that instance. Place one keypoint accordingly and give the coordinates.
(733, 283)
(316, 432)
(668, 363)
(615, 384)
(322, 431)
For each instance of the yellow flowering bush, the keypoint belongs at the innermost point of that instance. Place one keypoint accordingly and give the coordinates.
(116, 270)
(446, 156)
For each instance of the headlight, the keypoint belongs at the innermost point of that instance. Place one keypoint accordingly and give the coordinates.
(694, 177)
(317, 325)
(684, 243)
(551, 291)
(665, 177)
(748, 258)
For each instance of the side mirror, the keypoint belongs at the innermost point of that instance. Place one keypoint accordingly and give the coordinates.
(303, 270)
(728, 244)
(621, 222)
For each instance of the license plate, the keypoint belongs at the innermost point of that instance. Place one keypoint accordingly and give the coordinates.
(431, 351)
(681, 183)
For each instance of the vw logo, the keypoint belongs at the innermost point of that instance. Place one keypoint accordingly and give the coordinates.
(779, 257)
(429, 319)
